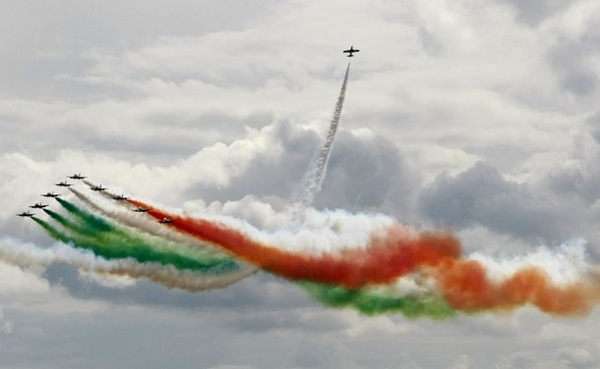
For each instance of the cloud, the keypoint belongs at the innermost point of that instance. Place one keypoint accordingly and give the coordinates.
(18, 281)
(216, 107)
(482, 196)
(532, 12)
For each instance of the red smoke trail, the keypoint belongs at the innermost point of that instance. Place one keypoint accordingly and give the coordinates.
(384, 260)
(465, 286)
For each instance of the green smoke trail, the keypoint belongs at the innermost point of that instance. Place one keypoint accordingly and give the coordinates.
(71, 238)
(110, 241)
(167, 276)
(65, 222)
(370, 303)
(53, 232)
(95, 223)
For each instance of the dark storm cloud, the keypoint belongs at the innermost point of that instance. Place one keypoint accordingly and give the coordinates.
(368, 174)
(481, 196)
(582, 180)
(573, 57)
(532, 12)
(363, 173)
(267, 175)
(574, 71)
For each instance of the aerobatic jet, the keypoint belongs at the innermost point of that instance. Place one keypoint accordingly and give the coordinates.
(25, 214)
(141, 210)
(120, 197)
(38, 205)
(77, 176)
(98, 188)
(51, 194)
(63, 184)
(165, 220)
(351, 51)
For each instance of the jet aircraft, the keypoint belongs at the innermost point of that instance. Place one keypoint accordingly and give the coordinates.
(25, 214)
(351, 51)
(51, 194)
(120, 197)
(77, 176)
(141, 210)
(98, 188)
(63, 184)
(38, 205)
(165, 220)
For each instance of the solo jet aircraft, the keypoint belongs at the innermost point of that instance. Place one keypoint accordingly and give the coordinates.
(25, 214)
(38, 205)
(98, 188)
(351, 51)
(141, 210)
(77, 176)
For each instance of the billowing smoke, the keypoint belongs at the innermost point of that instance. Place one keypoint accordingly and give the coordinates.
(395, 268)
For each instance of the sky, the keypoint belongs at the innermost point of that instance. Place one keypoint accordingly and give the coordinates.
(477, 117)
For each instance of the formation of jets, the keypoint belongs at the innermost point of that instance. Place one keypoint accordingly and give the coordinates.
(98, 188)
(351, 51)
(122, 197)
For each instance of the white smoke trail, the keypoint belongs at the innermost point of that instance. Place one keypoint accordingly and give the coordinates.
(122, 213)
(29, 255)
(315, 173)
(565, 264)
(125, 216)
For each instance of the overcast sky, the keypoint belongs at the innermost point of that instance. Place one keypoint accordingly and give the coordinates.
(477, 116)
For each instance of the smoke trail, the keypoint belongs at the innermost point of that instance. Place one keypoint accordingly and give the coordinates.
(347, 277)
(75, 227)
(113, 242)
(147, 224)
(370, 302)
(466, 285)
(125, 215)
(386, 258)
(53, 232)
(30, 255)
(315, 173)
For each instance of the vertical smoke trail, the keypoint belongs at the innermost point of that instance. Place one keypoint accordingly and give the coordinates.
(315, 173)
